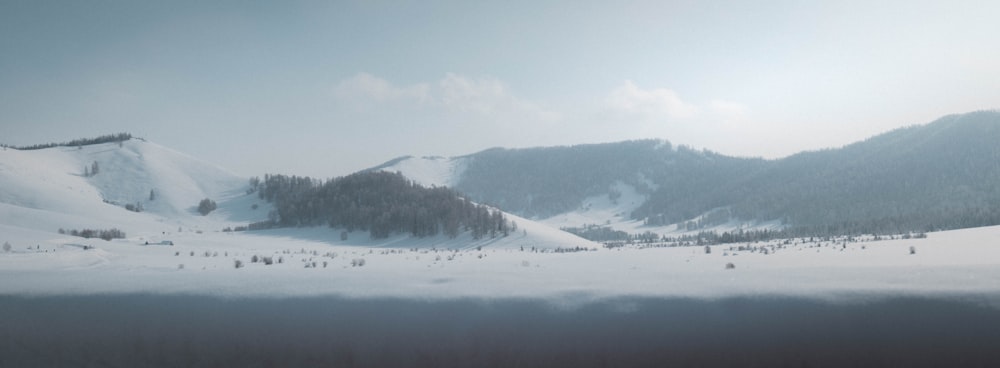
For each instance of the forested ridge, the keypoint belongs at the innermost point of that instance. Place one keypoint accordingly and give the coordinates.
(941, 175)
(381, 203)
(110, 138)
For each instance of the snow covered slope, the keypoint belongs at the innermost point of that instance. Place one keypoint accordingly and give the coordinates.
(42, 191)
(428, 171)
(54, 188)
(601, 210)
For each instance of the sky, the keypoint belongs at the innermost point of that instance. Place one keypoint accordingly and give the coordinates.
(326, 88)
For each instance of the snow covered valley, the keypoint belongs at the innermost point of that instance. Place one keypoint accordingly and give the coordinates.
(953, 262)
(179, 290)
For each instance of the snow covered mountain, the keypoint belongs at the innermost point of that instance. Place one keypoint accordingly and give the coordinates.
(58, 187)
(940, 175)
(44, 190)
(152, 193)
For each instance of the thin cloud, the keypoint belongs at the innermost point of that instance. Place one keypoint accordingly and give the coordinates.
(454, 94)
(657, 103)
(727, 111)
(368, 90)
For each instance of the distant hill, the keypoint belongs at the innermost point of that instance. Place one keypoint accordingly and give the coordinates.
(152, 192)
(941, 175)
(93, 184)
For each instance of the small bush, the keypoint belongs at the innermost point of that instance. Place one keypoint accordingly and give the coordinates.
(206, 206)
(238, 263)
(91, 233)
(913, 250)
(730, 266)
(6, 246)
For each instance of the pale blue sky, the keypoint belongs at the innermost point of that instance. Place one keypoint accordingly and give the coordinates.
(327, 88)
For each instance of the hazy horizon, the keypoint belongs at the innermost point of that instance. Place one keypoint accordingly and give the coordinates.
(327, 89)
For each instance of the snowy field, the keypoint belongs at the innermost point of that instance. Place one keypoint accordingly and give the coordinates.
(44, 191)
(954, 262)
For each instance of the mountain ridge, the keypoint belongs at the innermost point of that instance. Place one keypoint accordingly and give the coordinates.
(925, 177)
(150, 192)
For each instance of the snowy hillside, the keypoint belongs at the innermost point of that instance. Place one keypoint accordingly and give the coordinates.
(936, 176)
(42, 191)
(428, 171)
(612, 208)
(54, 188)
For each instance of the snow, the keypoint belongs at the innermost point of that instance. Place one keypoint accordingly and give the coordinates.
(46, 189)
(602, 210)
(42, 191)
(953, 262)
(430, 171)
(596, 210)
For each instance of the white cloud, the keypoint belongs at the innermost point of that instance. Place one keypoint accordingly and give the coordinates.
(727, 111)
(656, 103)
(366, 88)
(454, 94)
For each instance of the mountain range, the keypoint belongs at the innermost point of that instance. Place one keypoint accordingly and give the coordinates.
(940, 175)
(936, 176)
(140, 190)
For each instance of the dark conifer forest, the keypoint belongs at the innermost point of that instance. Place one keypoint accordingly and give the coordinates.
(381, 203)
(937, 176)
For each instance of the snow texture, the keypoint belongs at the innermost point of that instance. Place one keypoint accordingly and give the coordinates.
(42, 191)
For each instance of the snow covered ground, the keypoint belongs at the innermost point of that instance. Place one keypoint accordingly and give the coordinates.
(43, 191)
(953, 262)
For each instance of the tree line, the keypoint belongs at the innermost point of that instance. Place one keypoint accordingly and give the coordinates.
(379, 202)
(109, 138)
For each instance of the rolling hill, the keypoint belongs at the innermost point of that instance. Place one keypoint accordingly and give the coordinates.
(940, 175)
(151, 193)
